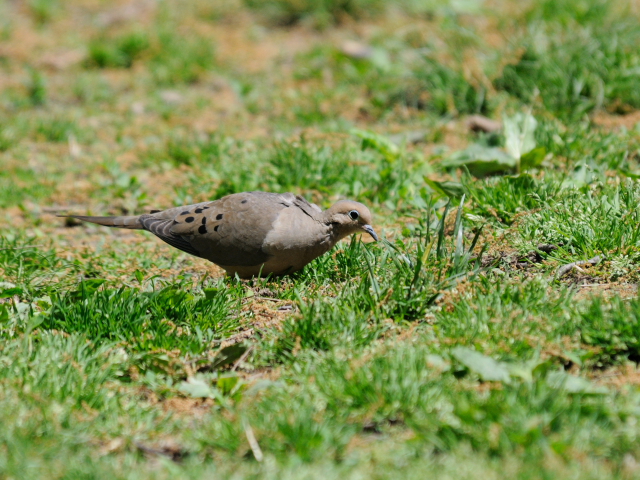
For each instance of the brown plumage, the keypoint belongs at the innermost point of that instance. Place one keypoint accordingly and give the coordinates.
(252, 233)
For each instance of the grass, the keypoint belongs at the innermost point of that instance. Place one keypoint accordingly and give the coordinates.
(580, 67)
(454, 345)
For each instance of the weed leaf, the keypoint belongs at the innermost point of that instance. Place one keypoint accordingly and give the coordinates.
(487, 368)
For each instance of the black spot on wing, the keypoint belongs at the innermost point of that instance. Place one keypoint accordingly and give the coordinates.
(219, 216)
(204, 220)
(198, 210)
(189, 219)
(185, 212)
(215, 229)
(202, 229)
(244, 201)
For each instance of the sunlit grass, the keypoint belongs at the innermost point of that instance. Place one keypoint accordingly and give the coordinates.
(453, 345)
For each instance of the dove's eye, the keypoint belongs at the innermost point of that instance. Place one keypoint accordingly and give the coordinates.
(353, 214)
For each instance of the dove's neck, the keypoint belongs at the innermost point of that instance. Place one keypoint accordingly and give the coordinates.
(337, 231)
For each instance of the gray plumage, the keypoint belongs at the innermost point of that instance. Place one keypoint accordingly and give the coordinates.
(252, 233)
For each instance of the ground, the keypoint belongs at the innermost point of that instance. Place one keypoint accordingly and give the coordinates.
(493, 332)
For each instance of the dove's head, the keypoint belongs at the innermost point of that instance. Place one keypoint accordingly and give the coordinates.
(349, 217)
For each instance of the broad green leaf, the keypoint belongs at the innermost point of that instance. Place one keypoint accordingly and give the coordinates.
(522, 371)
(573, 384)
(35, 322)
(211, 293)
(487, 368)
(519, 134)
(583, 174)
(438, 363)
(227, 384)
(228, 355)
(262, 385)
(482, 161)
(532, 159)
(197, 387)
(380, 59)
(10, 292)
(447, 188)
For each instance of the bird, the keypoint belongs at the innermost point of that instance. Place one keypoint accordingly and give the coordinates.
(251, 234)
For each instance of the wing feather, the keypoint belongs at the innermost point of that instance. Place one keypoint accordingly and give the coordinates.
(161, 228)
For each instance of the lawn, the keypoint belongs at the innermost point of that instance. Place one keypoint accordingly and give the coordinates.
(492, 332)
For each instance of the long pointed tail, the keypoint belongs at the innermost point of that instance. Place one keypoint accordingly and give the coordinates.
(132, 222)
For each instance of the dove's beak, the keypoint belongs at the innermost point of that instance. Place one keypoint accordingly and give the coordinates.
(370, 231)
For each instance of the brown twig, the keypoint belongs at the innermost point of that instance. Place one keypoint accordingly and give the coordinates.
(242, 358)
(563, 270)
(253, 443)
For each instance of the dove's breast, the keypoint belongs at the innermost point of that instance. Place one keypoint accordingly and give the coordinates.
(295, 240)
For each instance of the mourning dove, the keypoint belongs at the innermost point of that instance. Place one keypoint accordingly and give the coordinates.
(252, 233)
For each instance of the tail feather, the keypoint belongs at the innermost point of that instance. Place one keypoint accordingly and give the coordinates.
(131, 222)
